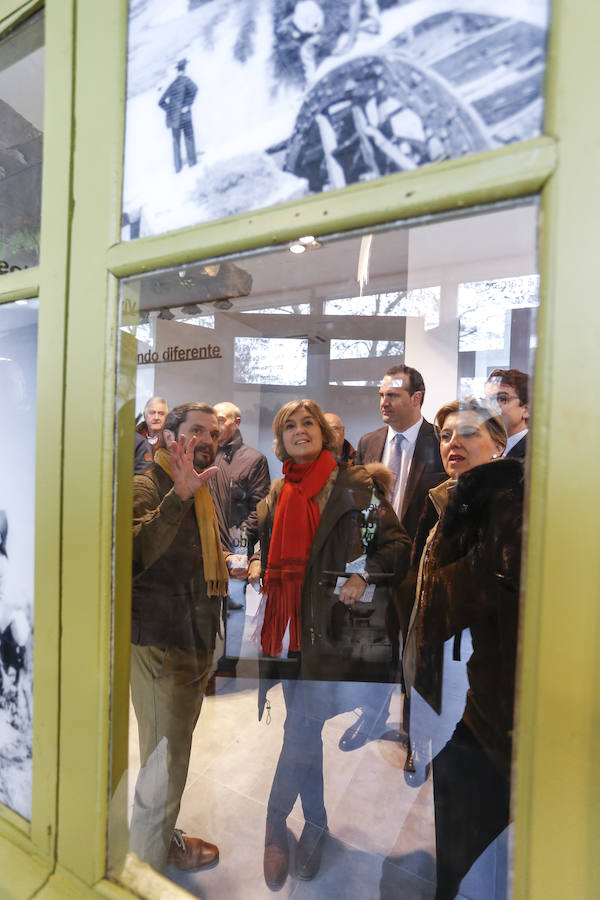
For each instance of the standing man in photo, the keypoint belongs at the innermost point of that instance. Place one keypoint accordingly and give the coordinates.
(177, 102)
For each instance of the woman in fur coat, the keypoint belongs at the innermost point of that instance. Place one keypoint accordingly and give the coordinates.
(468, 577)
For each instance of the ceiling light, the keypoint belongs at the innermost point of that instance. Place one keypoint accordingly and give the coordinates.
(308, 239)
(297, 247)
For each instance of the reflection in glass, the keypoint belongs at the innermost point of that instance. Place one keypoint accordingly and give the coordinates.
(335, 781)
(270, 360)
(18, 369)
(362, 349)
(300, 309)
(21, 127)
(483, 307)
(423, 303)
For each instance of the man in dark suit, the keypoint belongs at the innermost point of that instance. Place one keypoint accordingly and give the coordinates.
(414, 457)
(177, 101)
(406, 444)
(509, 390)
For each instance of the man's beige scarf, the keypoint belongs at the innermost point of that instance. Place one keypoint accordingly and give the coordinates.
(216, 573)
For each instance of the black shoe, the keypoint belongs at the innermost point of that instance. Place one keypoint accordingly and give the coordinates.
(418, 776)
(211, 684)
(357, 734)
(309, 850)
(231, 604)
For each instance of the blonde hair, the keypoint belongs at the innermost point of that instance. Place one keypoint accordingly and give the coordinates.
(492, 420)
(313, 409)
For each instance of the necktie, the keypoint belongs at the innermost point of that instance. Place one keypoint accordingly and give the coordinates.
(396, 456)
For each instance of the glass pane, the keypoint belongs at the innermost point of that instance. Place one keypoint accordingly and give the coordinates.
(236, 106)
(393, 575)
(18, 369)
(21, 132)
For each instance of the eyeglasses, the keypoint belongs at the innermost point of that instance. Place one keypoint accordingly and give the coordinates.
(505, 398)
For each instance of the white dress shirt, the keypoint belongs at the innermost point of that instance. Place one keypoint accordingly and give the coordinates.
(408, 449)
(514, 439)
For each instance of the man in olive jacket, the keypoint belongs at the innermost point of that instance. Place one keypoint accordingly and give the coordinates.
(180, 575)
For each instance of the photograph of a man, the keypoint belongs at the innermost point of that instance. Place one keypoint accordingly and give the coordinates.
(177, 102)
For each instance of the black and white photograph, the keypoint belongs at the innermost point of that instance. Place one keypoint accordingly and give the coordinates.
(238, 105)
(18, 368)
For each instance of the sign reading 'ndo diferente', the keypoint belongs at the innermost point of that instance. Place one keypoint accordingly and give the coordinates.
(179, 354)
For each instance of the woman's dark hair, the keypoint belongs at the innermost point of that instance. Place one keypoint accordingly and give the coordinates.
(515, 379)
(415, 379)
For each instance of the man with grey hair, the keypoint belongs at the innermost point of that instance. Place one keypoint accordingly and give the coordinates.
(155, 413)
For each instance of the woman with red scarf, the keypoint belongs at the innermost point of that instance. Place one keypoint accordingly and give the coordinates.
(331, 547)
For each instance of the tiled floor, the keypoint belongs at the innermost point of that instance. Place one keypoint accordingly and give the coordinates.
(381, 842)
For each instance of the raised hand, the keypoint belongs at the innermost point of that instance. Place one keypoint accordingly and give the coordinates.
(186, 480)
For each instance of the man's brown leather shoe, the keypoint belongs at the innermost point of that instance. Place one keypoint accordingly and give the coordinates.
(191, 853)
(277, 856)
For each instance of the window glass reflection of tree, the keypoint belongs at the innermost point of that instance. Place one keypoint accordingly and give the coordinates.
(21, 127)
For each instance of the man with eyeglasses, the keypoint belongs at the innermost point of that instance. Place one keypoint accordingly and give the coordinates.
(508, 389)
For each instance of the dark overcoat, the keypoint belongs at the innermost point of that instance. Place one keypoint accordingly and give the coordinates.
(426, 470)
(470, 579)
(340, 642)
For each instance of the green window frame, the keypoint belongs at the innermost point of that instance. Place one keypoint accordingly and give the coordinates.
(62, 852)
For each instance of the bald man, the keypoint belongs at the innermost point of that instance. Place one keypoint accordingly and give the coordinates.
(247, 473)
(246, 469)
(344, 451)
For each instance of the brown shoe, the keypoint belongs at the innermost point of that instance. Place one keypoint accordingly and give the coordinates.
(191, 853)
(277, 856)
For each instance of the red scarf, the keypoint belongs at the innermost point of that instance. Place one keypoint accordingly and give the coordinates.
(296, 519)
